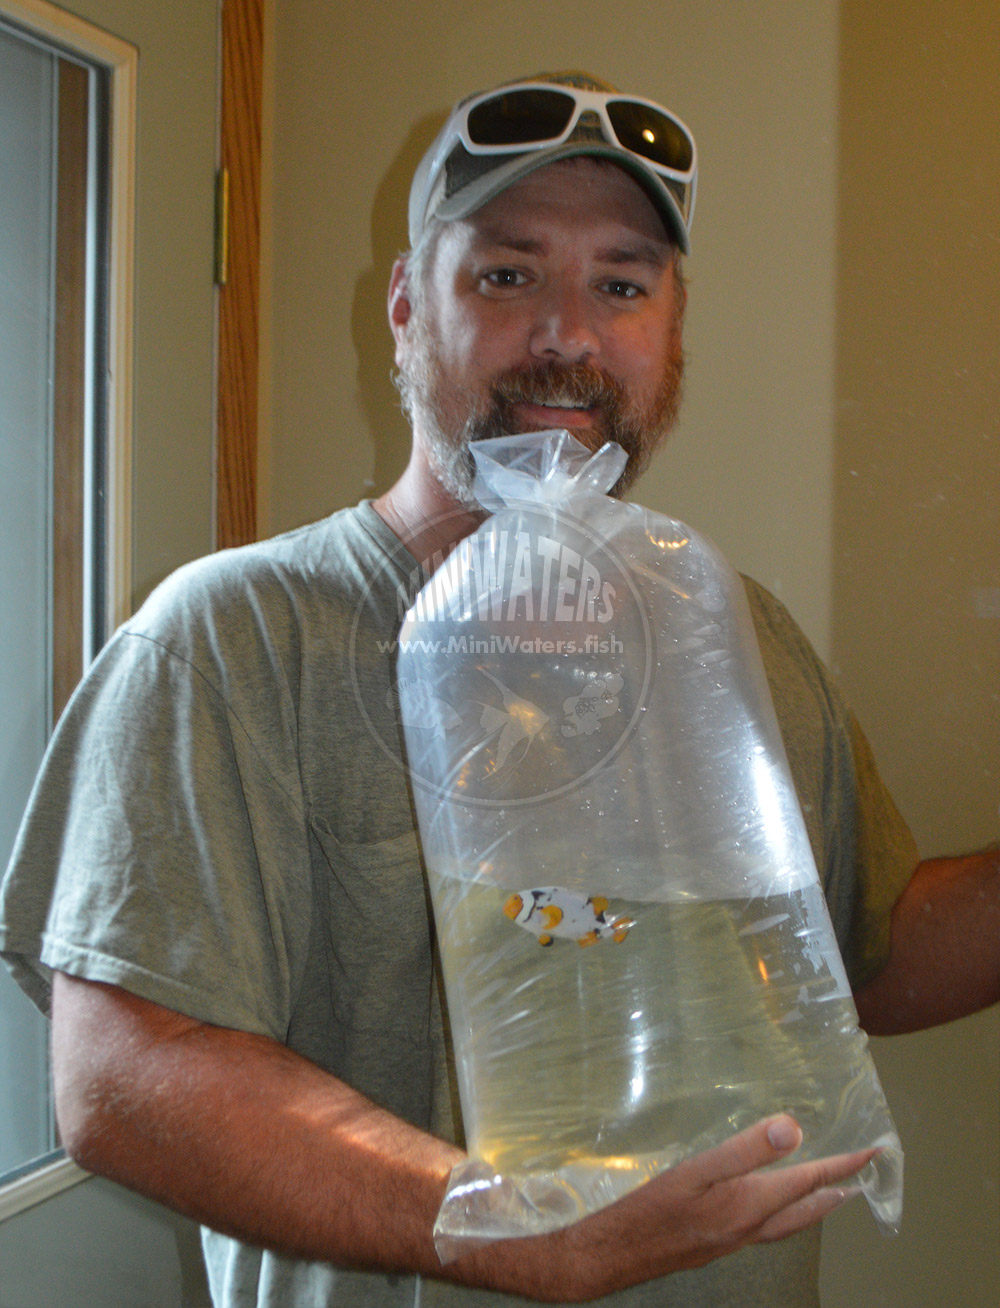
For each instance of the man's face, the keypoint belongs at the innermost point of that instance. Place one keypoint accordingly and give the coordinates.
(554, 305)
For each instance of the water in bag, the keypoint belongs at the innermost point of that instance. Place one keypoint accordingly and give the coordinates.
(637, 954)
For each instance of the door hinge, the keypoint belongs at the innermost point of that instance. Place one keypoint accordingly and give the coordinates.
(221, 226)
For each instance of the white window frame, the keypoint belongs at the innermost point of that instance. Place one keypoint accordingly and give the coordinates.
(49, 1175)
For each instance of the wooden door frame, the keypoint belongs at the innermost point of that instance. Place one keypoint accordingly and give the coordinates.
(242, 40)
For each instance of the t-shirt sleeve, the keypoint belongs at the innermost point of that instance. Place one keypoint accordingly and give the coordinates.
(865, 853)
(884, 855)
(164, 847)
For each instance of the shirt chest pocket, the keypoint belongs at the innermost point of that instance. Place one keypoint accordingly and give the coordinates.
(378, 925)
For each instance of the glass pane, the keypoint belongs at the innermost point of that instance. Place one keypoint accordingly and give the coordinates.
(27, 81)
(49, 324)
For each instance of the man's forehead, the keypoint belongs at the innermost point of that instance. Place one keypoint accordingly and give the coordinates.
(581, 196)
(621, 248)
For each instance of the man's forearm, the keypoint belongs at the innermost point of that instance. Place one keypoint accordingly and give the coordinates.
(230, 1128)
(944, 960)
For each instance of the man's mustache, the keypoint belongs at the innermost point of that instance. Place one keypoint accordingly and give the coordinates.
(558, 385)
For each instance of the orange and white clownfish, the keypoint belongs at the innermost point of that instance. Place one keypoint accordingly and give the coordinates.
(551, 911)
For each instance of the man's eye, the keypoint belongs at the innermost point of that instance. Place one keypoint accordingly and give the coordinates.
(505, 278)
(623, 290)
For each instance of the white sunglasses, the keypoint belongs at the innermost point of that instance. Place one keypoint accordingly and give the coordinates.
(539, 115)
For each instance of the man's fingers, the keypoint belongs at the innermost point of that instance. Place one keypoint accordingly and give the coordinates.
(759, 1145)
(801, 1179)
(804, 1192)
(769, 1203)
(711, 1205)
(805, 1212)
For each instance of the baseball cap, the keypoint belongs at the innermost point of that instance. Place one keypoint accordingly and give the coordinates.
(495, 138)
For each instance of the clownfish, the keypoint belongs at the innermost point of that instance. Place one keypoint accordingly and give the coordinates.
(551, 911)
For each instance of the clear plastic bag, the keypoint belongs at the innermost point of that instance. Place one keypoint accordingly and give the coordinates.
(637, 954)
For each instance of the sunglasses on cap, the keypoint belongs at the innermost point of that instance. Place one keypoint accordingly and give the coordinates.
(539, 115)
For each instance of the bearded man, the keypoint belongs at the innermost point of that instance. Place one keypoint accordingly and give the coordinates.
(218, 874)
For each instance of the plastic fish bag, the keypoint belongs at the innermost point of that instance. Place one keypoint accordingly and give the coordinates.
(638, 957)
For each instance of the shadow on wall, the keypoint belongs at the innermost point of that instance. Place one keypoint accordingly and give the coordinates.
(369, 325)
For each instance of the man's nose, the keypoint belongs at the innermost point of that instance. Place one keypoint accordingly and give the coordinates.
(564, 327)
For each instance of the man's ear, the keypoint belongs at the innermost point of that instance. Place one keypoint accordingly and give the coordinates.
(400, 305)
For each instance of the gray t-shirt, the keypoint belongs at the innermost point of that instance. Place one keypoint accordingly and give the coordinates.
(222, 825)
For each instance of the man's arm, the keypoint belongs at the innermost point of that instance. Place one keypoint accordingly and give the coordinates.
(944, 952)
(240, 1133)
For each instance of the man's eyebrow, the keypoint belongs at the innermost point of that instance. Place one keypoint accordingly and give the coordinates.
(500, 240)
(644, 252)
(650, 253)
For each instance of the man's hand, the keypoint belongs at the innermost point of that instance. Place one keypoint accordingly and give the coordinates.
(241, 1134)
(706, 1207)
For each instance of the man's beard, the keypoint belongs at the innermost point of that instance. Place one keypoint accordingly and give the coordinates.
(433, 404)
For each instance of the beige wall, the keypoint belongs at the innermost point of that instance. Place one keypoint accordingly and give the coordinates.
(839, 437)
(916, 599)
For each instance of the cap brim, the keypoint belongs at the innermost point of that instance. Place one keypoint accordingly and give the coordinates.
(474, 194)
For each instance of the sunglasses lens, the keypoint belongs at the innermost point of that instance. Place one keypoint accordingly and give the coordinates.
(520, 117)
(651, 134)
